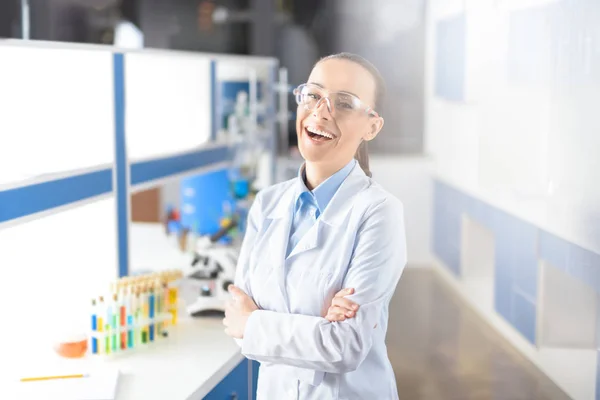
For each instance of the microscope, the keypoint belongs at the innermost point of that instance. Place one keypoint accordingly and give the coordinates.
(211, 272)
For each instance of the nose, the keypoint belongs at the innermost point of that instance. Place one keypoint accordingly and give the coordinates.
(322, 112)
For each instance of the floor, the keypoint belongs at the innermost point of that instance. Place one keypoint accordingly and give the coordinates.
(441, 349)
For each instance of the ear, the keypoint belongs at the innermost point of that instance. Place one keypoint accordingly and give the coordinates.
(375, 125)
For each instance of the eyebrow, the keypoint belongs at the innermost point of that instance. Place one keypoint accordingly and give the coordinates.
(341, 91)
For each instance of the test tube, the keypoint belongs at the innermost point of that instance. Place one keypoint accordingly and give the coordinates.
(158, 300)
(123, 314)
(115, 325)
(138, 311)
(173, 303)
(144, 298)
(151, 314)
(130, 312)
(94, 327)
(100, 312)
(165, 300)
(107, 325)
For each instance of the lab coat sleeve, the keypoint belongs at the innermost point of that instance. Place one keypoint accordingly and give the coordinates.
(315, 343)
(242, 268)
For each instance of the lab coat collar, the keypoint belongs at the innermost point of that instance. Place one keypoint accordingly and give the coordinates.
(337, 208)
(323, 193)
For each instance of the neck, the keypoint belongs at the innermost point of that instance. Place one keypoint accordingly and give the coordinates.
(317, 173)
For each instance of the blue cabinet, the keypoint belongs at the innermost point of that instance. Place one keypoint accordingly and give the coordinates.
(239, 384)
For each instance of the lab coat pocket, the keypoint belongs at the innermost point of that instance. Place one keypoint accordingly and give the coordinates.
(314, 287)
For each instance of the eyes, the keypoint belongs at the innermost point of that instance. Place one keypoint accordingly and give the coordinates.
(341, 101)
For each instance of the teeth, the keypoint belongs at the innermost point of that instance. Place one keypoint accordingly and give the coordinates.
(319, 132)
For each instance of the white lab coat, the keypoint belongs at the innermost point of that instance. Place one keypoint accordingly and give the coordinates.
(359, 242)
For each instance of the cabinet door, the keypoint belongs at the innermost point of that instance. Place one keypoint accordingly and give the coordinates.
(234, 386)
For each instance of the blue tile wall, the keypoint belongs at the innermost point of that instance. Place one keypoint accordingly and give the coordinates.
(577, 262)
(503, 289)
(554, 250)
(518, 246)
(584, 265)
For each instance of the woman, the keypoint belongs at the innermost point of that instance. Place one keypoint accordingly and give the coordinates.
(333, 227)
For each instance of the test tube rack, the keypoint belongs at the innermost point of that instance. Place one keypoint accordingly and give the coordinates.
(137, 312)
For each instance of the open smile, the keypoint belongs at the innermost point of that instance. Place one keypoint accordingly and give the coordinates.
(318, 135)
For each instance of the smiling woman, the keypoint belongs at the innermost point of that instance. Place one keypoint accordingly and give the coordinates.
(323, 252)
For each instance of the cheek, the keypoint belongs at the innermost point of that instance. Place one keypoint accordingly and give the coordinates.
(301, 114)
(352, 132)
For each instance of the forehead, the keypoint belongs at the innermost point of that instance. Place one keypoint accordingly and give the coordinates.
(344, 76)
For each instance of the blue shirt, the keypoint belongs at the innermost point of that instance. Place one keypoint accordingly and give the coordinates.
(311, 204)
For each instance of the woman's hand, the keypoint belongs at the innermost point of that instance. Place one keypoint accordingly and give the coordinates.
(237, 311)
(341, 308)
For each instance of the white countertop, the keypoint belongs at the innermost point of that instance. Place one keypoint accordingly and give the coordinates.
(188, 364)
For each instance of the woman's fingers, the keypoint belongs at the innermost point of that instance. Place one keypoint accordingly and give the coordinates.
(335, 315)
(344, 292)
(347, 305)
(339, 314)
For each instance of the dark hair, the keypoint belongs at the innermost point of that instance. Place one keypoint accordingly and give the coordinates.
(362, 153)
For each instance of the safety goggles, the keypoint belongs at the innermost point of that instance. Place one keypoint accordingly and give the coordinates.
(339, 104)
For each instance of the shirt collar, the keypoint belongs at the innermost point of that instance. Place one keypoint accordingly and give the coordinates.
(323, 193)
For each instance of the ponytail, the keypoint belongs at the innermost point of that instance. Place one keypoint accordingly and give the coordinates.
(362, 156)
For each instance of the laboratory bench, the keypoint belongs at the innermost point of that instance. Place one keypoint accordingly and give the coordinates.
(196, 361)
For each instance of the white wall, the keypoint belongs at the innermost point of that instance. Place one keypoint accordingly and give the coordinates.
(523, 141)
(54, 101)
(409, 179)
(168, 103)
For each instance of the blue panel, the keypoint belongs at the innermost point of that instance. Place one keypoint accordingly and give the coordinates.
(236, 383)
(121, 165)
(450, 58)
(553, 250)
(524, 248)
(26, 200)
(584, 266)
(147, 171)
(524, 317)
(215, 120)
(503, 289)
(203, 198)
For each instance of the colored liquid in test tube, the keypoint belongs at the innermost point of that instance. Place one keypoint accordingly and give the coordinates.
(151, 314)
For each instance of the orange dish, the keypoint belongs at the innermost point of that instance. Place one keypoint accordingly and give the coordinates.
(74, 348)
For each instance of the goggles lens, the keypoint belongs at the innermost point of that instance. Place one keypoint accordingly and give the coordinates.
(337, 103)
